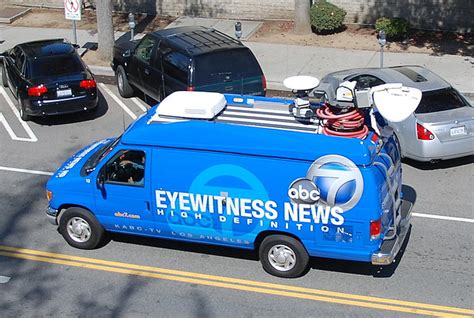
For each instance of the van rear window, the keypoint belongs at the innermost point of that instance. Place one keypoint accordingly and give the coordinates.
(225, 66)
(439, 100)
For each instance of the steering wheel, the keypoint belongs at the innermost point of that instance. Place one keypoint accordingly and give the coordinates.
(123, 172)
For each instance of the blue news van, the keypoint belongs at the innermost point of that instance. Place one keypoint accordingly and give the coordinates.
(230, 170)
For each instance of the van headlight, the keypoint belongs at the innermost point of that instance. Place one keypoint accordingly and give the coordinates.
(49, 195)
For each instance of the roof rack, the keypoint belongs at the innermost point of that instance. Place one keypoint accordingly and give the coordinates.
(229, 108)
(208, 38)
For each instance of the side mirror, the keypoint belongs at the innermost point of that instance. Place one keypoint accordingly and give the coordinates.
(100, 179)
(127, 53)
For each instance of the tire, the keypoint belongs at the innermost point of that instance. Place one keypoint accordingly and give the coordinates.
(125, 89)
(293, 258)
(81, 229)
(21, 108)
(4, 76)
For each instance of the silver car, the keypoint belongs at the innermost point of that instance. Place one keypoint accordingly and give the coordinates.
(442, 127)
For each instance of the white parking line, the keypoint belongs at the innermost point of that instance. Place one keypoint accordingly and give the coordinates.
(442, 217)
(10, 131)
(4, 279)
(139, 104)
(421, 215)
(44, 173)
(119, 102)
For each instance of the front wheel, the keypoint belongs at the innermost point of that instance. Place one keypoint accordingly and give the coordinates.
(283, 256)
(124, 87)
(81, 229)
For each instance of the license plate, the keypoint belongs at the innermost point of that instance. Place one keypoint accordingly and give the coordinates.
(63, 92)
(458, 131)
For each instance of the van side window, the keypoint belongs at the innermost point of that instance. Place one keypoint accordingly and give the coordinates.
(144, 49)
(127, 167)
(176, 65)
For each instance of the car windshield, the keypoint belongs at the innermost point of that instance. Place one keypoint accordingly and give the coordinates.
(440, 100)
(55, 65)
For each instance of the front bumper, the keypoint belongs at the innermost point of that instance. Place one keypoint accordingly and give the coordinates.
(390, 248)
(52, 215)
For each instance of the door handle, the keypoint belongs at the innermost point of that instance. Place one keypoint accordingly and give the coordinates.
(147, 205)
(147, 71)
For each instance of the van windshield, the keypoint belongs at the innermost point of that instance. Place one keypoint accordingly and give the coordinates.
(224, 66)
(97, 157)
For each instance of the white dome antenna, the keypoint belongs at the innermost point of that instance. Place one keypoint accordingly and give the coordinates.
(301, 85)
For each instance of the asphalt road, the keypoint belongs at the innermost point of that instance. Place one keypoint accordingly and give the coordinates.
(40, 275)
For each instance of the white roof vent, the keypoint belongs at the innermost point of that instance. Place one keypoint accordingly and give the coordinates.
(199, 105)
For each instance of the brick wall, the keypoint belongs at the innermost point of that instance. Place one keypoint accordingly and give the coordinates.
(426, 14)
(454, 15)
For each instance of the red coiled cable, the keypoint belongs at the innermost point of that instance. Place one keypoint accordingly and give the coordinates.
(345, 123)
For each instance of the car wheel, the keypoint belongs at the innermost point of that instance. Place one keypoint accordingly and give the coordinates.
(283, 256)
(80, 228)
(21, 108)
(124, 87)
(4, 76)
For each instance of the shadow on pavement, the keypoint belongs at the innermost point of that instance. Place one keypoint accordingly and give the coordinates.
(360, 268)
(443, 164)
(185, 246)
(57, 120)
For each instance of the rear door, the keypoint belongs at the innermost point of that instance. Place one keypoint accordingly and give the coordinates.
(15, 68)
(140, 65)
(176, 68)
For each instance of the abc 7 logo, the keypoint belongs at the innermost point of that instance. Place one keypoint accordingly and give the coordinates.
(333, 180)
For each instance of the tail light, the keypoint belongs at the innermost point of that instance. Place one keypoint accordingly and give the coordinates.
(422, 133)
(88, 84)
(375, 229)
(264, 83)
(190, 88)
(37, 90)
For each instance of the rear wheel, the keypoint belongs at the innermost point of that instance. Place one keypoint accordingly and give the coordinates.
(124, 87)
(21, 108)
(81, 229)
(283, 256)
(4, 76)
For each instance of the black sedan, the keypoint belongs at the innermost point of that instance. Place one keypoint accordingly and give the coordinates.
(48, 78)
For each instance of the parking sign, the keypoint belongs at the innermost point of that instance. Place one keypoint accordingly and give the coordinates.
(72, 9)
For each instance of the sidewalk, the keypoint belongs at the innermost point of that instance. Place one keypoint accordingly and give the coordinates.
(281, 61)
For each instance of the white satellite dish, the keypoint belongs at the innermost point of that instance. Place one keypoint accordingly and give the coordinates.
(394, 101)
(301, 83)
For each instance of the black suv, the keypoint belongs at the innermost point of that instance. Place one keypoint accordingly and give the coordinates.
(186, 58)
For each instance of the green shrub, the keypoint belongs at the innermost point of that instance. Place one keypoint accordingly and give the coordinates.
(326, 17)
(395, 28)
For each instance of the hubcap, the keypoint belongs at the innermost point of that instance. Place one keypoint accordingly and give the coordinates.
(282, 257)
(120, 81)
(79, 230)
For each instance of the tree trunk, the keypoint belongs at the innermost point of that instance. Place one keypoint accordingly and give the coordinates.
(302, 19)
(105, 29)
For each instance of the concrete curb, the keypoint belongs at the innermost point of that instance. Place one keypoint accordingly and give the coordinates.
(106, 73)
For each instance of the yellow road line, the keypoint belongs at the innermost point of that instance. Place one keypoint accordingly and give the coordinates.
(230, 283)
